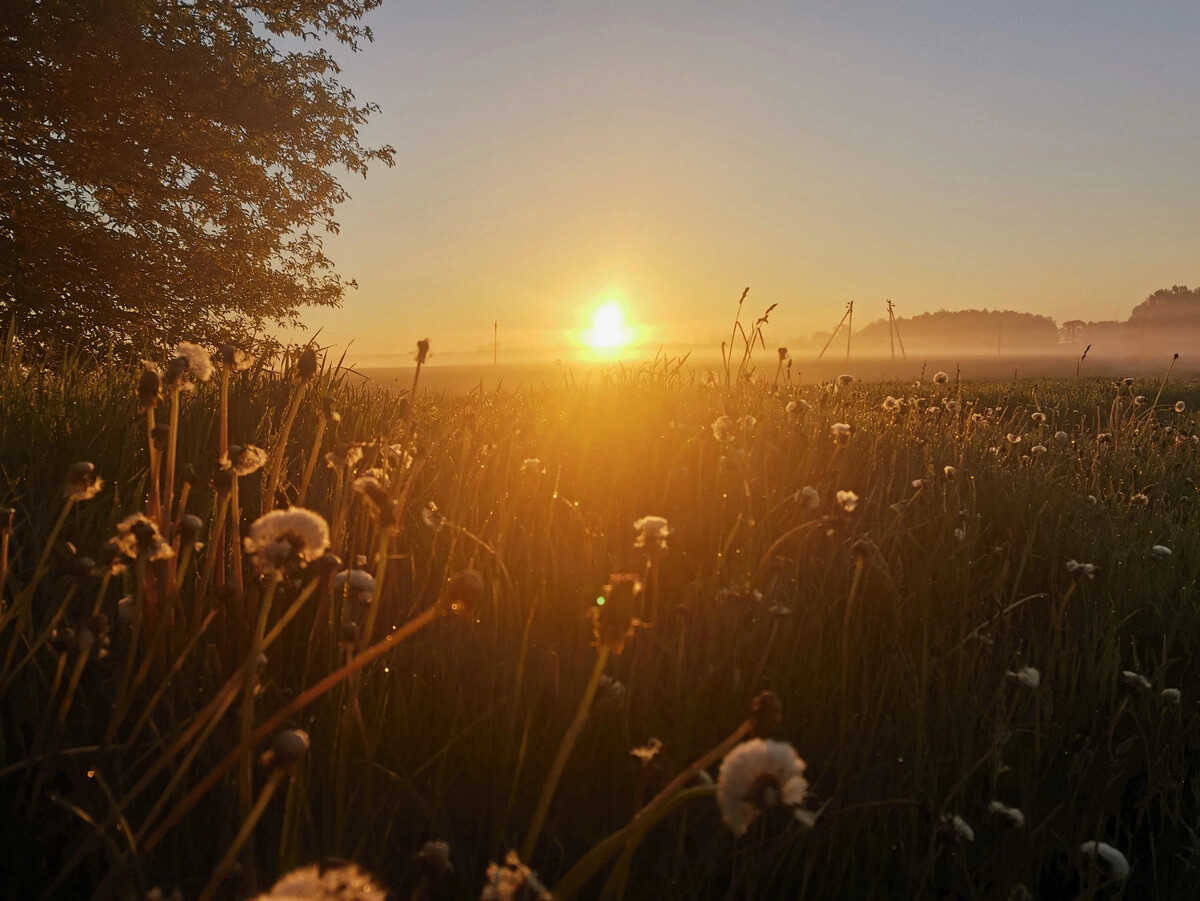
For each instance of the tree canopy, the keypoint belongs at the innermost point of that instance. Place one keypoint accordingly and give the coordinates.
(169, 168)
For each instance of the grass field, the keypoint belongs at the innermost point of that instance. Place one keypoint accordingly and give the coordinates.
(894, 573)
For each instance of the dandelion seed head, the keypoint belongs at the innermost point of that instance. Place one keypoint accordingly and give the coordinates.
(1135, 680)
(891, 404)
(723, 429)
(1012, 815)
(810, 497)
(1171, 695)
(358, 585)
(847, 500)
(1161, 551)
(344, 882)
(82, 482)
(652, 532)
(1026, 677)
(959, 827)
(1038, 416)
(1180, 406)
(513, 881)
(1116, 862)
(138, 535)
(199, 360)
(245, 459)
(757, 774)
(281, 537)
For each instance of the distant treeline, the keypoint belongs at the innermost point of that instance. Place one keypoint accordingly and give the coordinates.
(1164, 322)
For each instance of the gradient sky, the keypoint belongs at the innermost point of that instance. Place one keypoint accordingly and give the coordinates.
(1029, 155)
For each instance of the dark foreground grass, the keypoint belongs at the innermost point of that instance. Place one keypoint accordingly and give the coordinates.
(889, 631)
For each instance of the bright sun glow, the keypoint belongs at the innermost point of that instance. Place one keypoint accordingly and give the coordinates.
(609, 331)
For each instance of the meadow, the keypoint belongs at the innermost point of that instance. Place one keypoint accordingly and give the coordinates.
(588, 623)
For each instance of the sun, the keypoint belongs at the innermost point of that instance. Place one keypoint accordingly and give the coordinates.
(609, 331)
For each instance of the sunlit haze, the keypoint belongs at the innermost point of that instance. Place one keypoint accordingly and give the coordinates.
(1024, 155)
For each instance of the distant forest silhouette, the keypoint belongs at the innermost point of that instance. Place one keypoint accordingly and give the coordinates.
(1165, 322)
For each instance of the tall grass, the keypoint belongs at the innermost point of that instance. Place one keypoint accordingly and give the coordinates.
(889, 632)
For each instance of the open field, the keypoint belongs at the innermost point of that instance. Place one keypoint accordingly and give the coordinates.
(459, 378)
(977, 607)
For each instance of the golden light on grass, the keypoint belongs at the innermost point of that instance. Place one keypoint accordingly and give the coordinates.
(610, 332)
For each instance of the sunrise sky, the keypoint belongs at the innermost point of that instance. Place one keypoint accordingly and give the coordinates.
(551, 158)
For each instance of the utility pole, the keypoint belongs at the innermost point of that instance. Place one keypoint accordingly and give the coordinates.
(495, 342)
(836, 329)
(894, 327)
(891, 325)
(849, 329)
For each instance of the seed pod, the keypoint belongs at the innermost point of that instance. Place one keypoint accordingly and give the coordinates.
(222, 480)
(464, 592)
(287, 747)
(188, 474)
(189, 528)
(149, 388)
(306, 366)
(173, 376)
(422, 351)
(766, 712)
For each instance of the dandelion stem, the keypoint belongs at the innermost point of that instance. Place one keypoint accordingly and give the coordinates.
(172, 443)
(311, 466)
(564, 751)
(243, 836)
(268, 501)
(302, 700)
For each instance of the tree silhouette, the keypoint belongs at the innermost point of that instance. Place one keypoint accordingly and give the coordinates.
(166, 167)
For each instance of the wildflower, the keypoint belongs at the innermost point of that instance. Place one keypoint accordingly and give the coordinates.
(1141, 499)
(287, 536)
(841, 432)
(1037, 449)
(1117, 864)
(847, 500)
(1061, 435)
(422, 351)
(798, 404)
(1012, 814)
(1135, 680)
(1076, 568)
(757, 774)
(961, 828)
(891, 404)
(1139, 400)
(950, 404)
(344, 455)
(199, 360)
(512, 881)
(722, 429)
(845, 381)
(1180, 406)
(783, 352)
(1170, 695)
(358, 584)
(810, 497)
(234, 358)
(940, 378)
(652, 532)
(138, 535)
(82, 482)
(1038, 416)
(246, 459)
(949, 471)
(1027, 677)
(399, 455)
(1103, 437)
(647, 752)
(531, 465)
(329, 409)
(1161, 551)
(317, 882)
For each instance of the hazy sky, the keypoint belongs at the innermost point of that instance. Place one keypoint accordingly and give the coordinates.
(1029, 155)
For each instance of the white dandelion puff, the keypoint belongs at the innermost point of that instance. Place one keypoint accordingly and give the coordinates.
(1075, 568)
(531, 465)
(199, 360)
(652, 532)
(757, 774)
(647, 752)
(1027, 677)
(1061, 436)
(1180, 406)
(1161, 551)
(321, 883)
(891, 404)
(961, 828)
(1135, 680)
(245, 459)
(845, 380)
(1012, 815)
(847, 500)
(358, 584)
(940, 378)
(810, 497)
(1038, 449)
(722, 429)
(513, 881)
(82, 482)
(287, 536)
(1117, 864)
(1038, 416)
(1171, 695)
